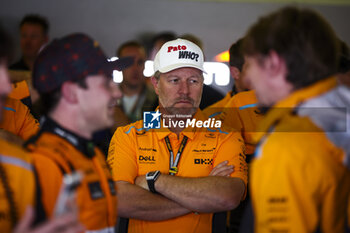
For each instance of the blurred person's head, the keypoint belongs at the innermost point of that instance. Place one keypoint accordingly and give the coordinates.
(178, 78)
(72, 73)
(236, 63)
(158, 41)
(34, 31)
(133, 77)
(5, 53)
(193, 39)
(287, 50)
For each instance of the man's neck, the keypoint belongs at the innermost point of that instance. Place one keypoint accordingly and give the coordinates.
(71, 125)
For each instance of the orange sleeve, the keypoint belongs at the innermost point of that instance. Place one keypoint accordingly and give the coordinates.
(26, 123)
(230, 115)
(50, 179)
(18, 120)
(20, 90)
(122, 156)
(232, 149)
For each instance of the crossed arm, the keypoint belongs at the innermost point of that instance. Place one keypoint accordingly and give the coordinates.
(180, 195)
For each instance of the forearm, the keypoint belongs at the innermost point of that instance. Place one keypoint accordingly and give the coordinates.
(204, 194)
(138, 203)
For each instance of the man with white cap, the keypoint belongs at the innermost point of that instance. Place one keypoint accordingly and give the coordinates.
(174, 168)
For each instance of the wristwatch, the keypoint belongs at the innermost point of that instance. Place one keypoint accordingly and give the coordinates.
(151, 178)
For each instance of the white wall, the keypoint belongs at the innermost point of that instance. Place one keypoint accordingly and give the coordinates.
(111, 22)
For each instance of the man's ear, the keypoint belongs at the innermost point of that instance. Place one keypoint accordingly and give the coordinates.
(154, 82)
(235, 73)
(275, 64)
(69, 92)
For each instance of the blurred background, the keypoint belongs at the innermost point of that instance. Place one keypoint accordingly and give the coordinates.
(111, 22)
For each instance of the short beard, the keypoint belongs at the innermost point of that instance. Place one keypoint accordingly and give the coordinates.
(181, 111)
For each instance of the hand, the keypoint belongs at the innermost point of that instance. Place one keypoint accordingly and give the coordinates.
(222, 169)
(142, 182)
(67, 223)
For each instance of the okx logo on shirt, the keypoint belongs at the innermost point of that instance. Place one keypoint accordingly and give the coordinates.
(151, 120)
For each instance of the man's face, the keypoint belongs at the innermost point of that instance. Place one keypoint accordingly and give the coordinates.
(97, 101)
(32, 39)
(133, 75)
(5, 86)
(238, 76)
(256, 76)
(267, 76)
(180, 89)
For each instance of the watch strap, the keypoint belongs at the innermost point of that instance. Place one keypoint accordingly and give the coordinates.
(151, 182)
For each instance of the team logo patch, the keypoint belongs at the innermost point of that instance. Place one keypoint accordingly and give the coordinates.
(151, 120)
(203, 161)
(147, 159)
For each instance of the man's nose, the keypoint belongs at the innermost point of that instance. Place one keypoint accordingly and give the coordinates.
(184, 87)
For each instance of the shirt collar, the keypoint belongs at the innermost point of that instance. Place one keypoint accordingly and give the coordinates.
(85, 146)
(188, 132)
(288, 105)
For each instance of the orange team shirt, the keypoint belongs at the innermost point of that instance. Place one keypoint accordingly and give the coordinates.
(134, 152)
(299, 182)
(96, 196)
(18, 120)
(241, 113)
(19, 172)
(217, 108)
(20, 90)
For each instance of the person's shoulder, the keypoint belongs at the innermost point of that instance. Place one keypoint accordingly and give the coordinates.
(298, 137)
(12, 104)
(243, 99)
(130, 129)
(15, 105)
(13, 151)
(216, 108)
(222, 132)
(48, 143)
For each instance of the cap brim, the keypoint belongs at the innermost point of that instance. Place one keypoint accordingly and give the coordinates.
(121, 63)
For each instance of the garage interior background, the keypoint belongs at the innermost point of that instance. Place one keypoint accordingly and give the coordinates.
(111, 22)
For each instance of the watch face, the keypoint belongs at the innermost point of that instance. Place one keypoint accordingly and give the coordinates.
(151, 175)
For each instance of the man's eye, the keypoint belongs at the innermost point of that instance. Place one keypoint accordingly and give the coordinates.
(173, 80)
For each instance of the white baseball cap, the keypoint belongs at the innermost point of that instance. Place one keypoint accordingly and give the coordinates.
(176, 54)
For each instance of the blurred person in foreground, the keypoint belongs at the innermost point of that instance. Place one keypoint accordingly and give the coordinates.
(18, 188)
(74, 79)
(300, 179)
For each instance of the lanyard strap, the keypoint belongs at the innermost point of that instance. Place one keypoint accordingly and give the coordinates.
(173, 164)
